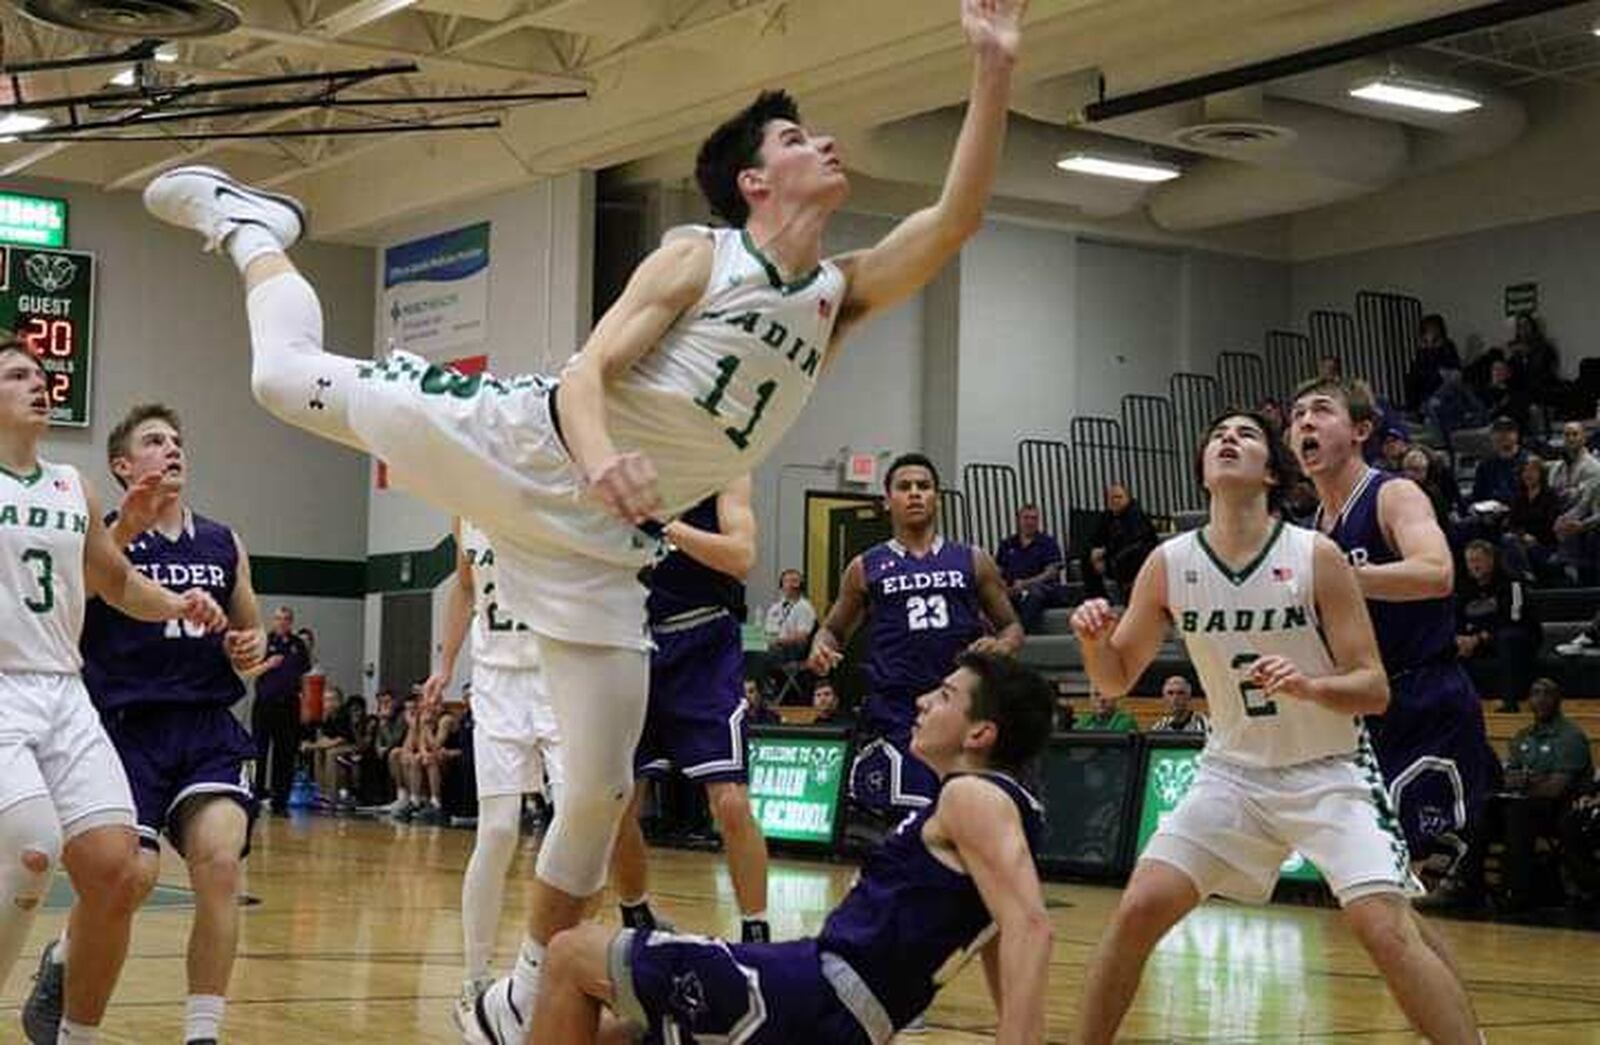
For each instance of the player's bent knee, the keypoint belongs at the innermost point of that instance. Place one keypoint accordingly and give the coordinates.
(577, 849)
(30, 831)
(730, 805)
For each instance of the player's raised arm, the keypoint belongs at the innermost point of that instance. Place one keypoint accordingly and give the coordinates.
(108, 574)
(909, 257)
(997, 608)
(1425, 569)
(666, 283)
(1359, 685)
(982, 822)
(1116, 651)
(844, 616)
(457, 619)
(733, 550)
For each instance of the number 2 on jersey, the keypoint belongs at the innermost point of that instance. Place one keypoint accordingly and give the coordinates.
(712, 400)
(44, 575)
(927, 613)
(1255, 704)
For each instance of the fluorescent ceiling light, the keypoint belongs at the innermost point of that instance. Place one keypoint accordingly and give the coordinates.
(20, 123)
(123, 79)
(1127, 170)
(1416, 96)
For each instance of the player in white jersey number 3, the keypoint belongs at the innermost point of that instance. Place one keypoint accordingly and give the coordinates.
(687, 382)
(63, 794)
(1274, 621)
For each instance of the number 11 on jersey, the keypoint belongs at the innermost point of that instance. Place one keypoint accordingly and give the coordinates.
(712, 400)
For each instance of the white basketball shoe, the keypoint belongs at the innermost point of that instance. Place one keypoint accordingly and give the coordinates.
(211, 203)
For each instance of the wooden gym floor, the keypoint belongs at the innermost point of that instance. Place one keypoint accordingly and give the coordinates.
(357, 939)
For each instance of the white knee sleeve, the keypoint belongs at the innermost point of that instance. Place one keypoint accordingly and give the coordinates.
(598, 693)
(30, 848)
(291, 374)
(483, 888)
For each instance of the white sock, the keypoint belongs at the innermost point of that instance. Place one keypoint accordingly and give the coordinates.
(525, 976)
(483, 887)
(202, 1017)
(59, 955)
(402, 797)
(76, 1033)
(249, 241)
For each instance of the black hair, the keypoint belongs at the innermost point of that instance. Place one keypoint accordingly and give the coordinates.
(912, 460)
(1019, 702)
(735, 147)
(1280, 462)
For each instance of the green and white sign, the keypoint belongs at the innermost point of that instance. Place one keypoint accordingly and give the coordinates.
(436, 292)
(1170, 774)
(795, 784)
(34, 221)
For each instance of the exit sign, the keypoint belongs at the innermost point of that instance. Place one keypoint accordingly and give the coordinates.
(34, 221)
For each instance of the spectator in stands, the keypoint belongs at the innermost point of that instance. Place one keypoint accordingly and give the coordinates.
(1435, 353)
(1030, 564)
(1502, 397)
(393, 722)
(1396, 443)
(328, 739)
(1529, 543)
(1180, 718)
(1536, 362)
(1584, 644)
(1454, 405)
(1547, 763)
(430, 745)
(1577, 473)
(757, 712)
(1105, 717)
(354, 768)
(1580, 849)
(1577, 481)
(1496, 476)
(825, 700)
(791, 620)
(1431, 473)
(1122, 539)
(1495, 619)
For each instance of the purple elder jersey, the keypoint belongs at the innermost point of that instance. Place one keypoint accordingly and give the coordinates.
(922, 613)
(679, 584)
(127, 662)
(1410, 634)
(911, 922)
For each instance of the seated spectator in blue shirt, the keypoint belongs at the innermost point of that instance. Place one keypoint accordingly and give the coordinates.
(1496, 478)
(1030, 564)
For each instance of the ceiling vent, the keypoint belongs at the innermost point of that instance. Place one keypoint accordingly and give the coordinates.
(147, 19)
(1234, 136)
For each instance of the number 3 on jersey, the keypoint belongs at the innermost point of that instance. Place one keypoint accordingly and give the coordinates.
(1255, 705)
(712, 400)
(927, 613)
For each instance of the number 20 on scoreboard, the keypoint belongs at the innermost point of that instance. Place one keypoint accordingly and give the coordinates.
(47, 303)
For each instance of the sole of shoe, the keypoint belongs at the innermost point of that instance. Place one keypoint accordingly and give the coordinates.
(246, 190)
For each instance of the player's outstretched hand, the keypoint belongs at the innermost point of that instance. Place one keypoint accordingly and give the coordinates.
(247, 650)
(626, 485)
(1093, 620)
(201, 610)
(990, 646)
(825, 654)
(993, 25)
(433, 686)
(145, 500)
(1279, 677)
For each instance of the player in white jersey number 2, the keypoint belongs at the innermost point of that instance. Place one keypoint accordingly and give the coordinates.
(516, 747)
(1275, 623)
(687, 383)
(63, 794)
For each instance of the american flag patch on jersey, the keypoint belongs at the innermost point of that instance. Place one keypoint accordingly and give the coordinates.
(62, 485)
(1282, 573)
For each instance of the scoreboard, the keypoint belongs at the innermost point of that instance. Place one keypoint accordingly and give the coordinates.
(47, 303)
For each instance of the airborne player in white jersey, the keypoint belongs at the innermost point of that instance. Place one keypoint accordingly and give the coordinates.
(63, 794)
(516, 747)
(1274, 621)
(688, 382)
